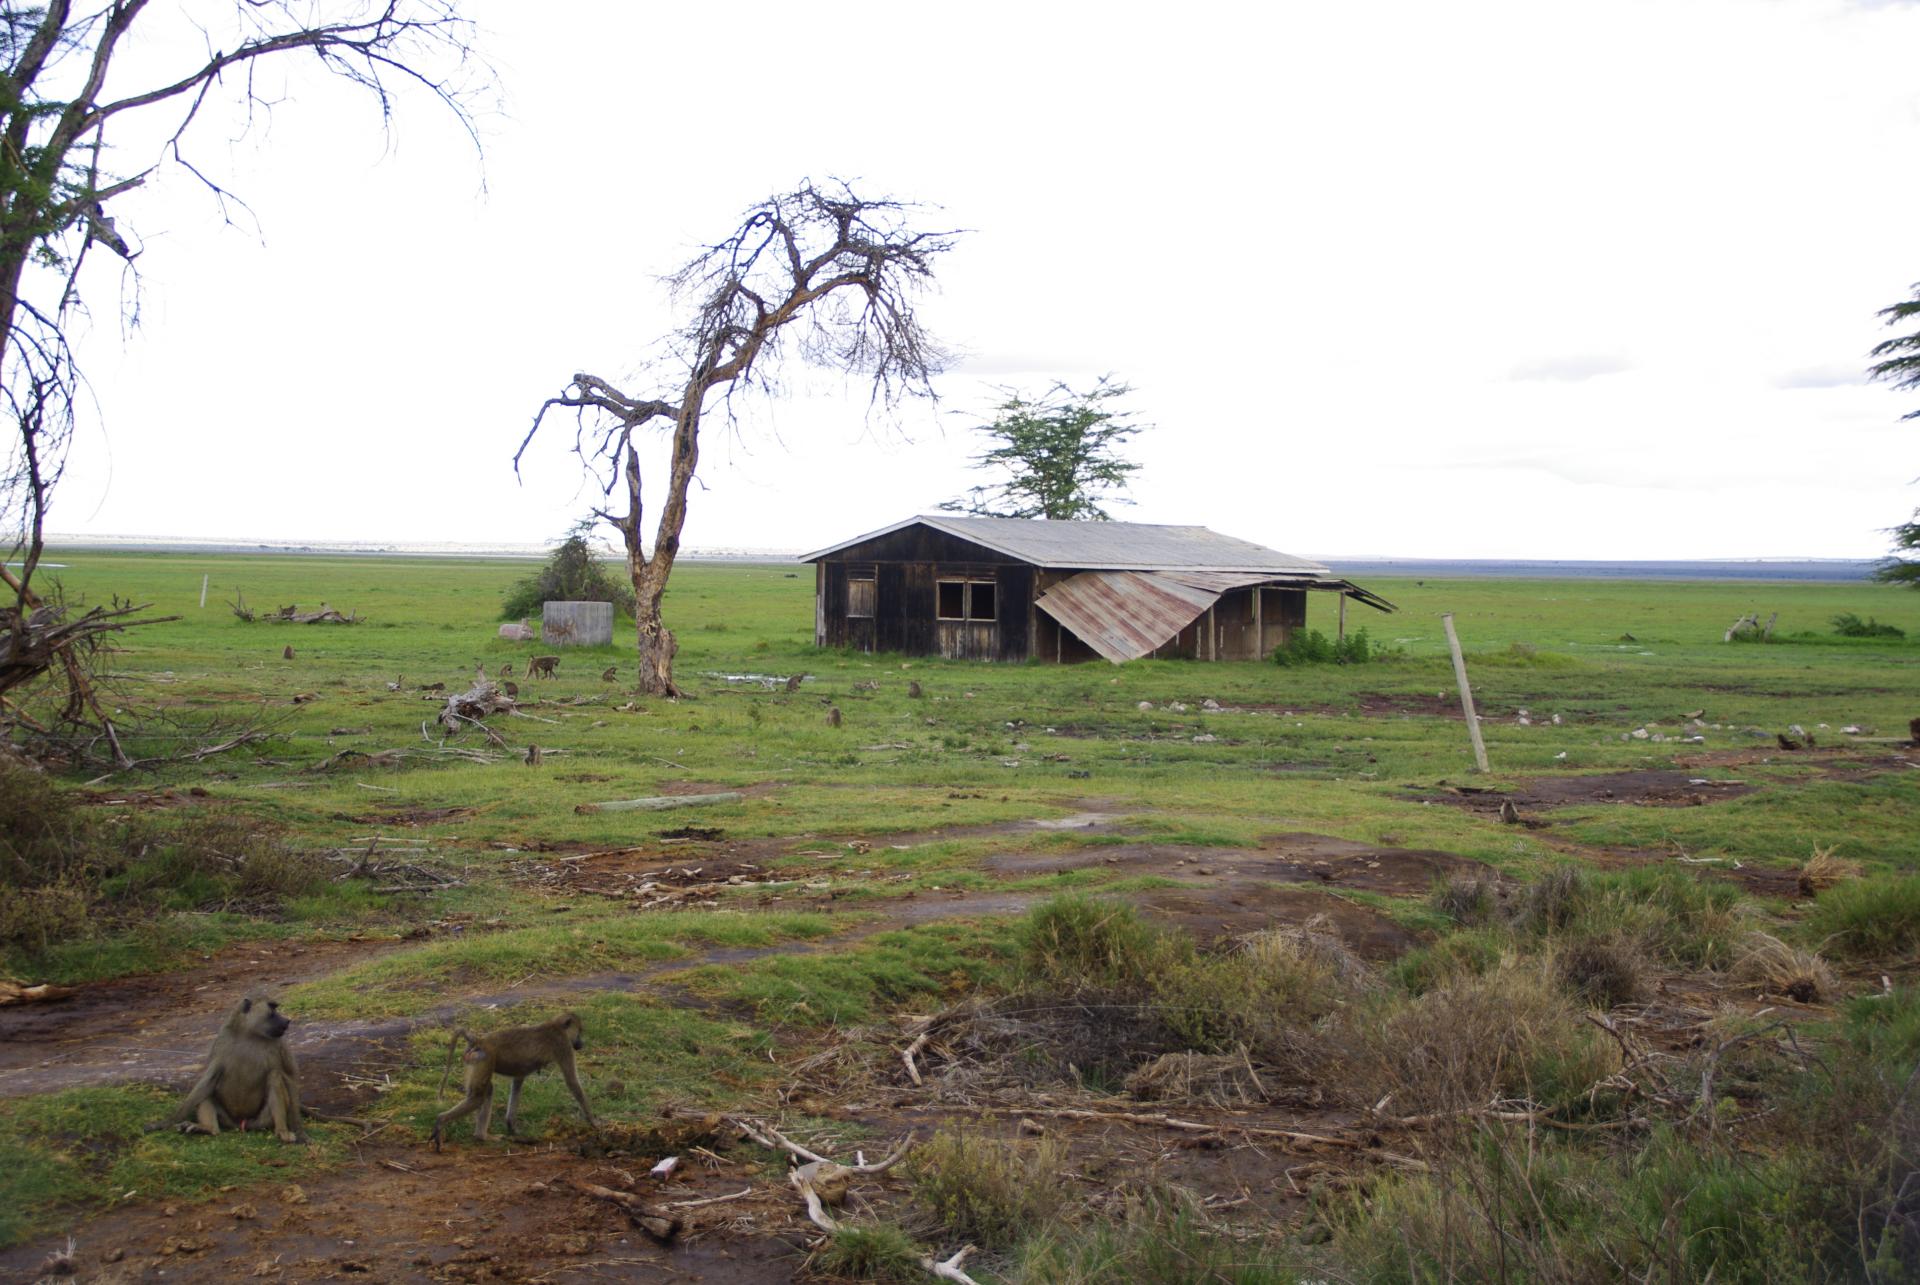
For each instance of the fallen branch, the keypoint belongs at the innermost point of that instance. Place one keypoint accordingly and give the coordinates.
(906, 1055)
(1188, 1126)
(949, 1269)
(662, 803)
(711, 1200)
(656, 1225)
(19, 993)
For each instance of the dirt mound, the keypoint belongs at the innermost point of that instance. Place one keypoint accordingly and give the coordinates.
(1649, 787)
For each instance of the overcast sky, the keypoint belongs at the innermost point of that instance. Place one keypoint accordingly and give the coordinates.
(1532, 279)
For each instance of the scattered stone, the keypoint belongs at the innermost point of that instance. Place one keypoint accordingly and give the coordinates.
(1205, 738)
(1210, 704)
(1177, 707)
(1144, 706)
(1640, 734)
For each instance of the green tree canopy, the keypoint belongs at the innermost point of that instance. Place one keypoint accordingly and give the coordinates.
(1898, 363)
(1057, 455)
(573, 573)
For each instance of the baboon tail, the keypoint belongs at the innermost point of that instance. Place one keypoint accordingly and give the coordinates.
(459, 1033)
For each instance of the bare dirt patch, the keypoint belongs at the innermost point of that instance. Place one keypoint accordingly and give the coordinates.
(1236, 909)
(413, 817)
(1645, 788)
(1298, 858)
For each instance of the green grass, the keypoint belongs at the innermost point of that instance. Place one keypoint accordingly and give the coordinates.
(85, 1149)
(416, 980)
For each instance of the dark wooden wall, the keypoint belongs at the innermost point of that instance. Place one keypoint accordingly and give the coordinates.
(908, 564)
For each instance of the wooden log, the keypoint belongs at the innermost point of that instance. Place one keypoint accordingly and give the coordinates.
(576, 624)
(1466, 693)
(662, 803)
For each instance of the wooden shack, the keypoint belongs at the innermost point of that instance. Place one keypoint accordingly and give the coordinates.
(1014, 589)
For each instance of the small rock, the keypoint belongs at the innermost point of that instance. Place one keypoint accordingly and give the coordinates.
(1562, 754)
(244, 1212)
(1556, 720)
(1144, 706)
(1210, 704)
(1640, 734)
(1206, 738)
(1177, 707)
(1851, 729)
(1203, 870)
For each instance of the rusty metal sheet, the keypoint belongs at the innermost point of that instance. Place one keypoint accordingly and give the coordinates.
(1124, 615)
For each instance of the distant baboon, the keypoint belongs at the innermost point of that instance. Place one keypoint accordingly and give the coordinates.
(533, 755)
(793, 683)
(543, 666)
(506, 670)
(511, 689)
(288, 653)
(606, 675)
(833, 716)
(913, 689)
(516, 1053)
(250, 1080)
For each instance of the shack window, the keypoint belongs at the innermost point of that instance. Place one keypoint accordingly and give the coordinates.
(966, 600)
(860, 595)
(952, 603)
(980, 600)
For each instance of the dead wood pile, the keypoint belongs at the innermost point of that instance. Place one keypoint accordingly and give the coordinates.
(475, 705)
(291, 614)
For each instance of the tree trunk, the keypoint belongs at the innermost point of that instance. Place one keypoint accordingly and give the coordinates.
(656, 648)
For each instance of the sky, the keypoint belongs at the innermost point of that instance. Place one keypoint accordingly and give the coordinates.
(1542, 279)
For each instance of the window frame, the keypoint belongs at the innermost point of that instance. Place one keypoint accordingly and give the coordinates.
(966, 584)
(869, 577)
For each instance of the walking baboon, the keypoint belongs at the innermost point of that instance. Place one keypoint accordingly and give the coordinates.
(516, 1053)
(543, 667)
(250, 1079)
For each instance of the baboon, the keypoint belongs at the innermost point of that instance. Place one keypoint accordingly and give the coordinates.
(793, 683)
(833, 716)
(288, 653)
(606, 675)
(533, 755)
(516, 1053)
(543, 667)
(511, 689)
(506, 670)
(913, 689)
(250, 1079)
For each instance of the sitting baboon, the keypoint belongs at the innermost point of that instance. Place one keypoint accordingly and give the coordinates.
(833, 716)
(516, 1053)
(913, 690)
(506, 670)
(607, 674)
(250, 1078)
(543, 667)
(511, 689)
(793, 683)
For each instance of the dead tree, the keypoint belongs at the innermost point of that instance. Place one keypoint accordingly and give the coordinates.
(68, 105)
(832, 273)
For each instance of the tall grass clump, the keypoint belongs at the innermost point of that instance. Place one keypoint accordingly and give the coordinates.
(991, 1191)
(1849, 625)
(1876, 916)
(869, 1252)
(1158, 1238)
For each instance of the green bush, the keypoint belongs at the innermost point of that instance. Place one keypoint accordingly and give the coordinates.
(1311, 647)
(989, 1190)
(1849, 625)
(874, 1252)
(573, 573)
(1875, 917)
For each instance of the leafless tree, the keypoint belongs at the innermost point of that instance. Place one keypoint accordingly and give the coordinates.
(74, 103)
(833, 275)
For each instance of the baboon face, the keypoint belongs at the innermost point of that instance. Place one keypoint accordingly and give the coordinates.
(264, 1017)
(573, 1029)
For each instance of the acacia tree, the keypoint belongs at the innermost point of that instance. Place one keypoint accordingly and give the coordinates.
(819, 273)
(75, 107)
(1059, 453)
(1899, 364)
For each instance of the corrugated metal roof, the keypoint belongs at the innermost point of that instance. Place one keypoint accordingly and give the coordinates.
(1104, 546)
(1124, 615)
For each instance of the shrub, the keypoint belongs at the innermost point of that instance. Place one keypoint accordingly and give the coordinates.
(1079, 942)
(1468, 898)
(573, 573)
(1878, 916)
(876, 1252)
(988, 1190)
(1311, 647)
(1668, 914)
(1455, 956)
(1157, 1238)
(1849, 625)
(1766, 961)
(1601, 971)
(1508, 1033)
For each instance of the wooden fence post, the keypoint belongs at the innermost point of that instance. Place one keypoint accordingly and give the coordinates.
(203, 589)
(1466, 694)
(1341, 636)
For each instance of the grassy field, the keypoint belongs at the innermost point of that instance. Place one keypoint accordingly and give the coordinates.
(903, 862)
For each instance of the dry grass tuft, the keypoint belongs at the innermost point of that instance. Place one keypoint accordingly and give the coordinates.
(989, 1190)
(1602, 971)
(1779, 969)
(1223, 1079)
(1823, 870)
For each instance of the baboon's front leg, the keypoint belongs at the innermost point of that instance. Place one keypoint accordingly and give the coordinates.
(485, 1121)
(573, 1083)
(283, 1108)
